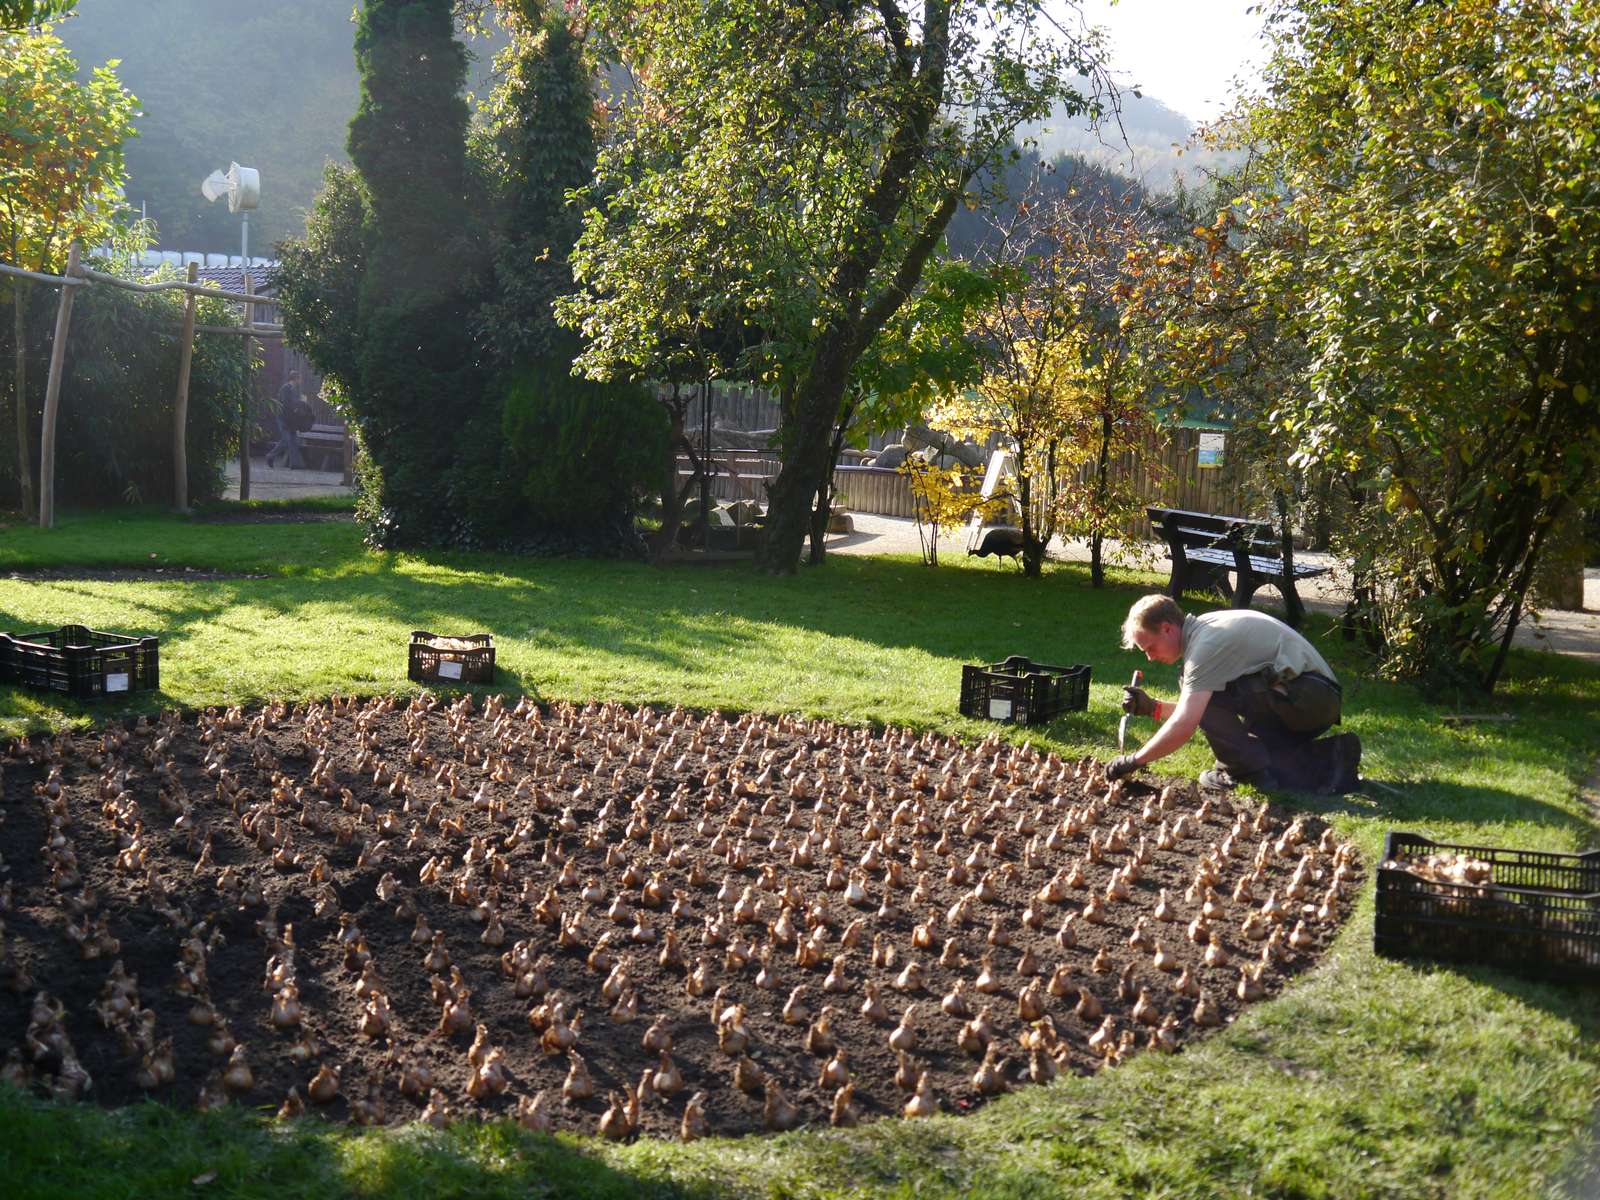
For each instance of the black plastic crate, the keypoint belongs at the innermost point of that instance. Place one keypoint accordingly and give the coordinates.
(81, 662)
(1539, 913)
(472, 663)
(1023, 692)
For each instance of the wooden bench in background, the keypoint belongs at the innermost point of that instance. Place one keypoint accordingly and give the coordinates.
(332, 444)
(1205, 547)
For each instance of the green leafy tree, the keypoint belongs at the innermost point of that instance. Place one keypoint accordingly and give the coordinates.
(1068, 379)
(446, 357)
(1436, 167)
(919, 355)
(534, 144)
(319, 279)
(60, 169)
(17, 15)
(790, 168)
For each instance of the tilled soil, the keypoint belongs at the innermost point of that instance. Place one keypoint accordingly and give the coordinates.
(365, 903)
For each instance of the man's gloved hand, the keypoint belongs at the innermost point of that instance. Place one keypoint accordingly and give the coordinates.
(1137, 702)
(1121, 767)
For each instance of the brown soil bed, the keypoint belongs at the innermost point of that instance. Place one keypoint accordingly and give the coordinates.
(222, 860)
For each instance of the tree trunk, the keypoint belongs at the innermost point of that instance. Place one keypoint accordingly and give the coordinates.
(19, 378)
(1102, 483)
(805, 459)
(808, 423)
(1032, 544)
(672, 495)
(1360, 614)
(1518, 597)
(824, 506)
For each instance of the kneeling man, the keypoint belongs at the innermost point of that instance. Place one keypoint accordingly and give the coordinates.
(1259, 691)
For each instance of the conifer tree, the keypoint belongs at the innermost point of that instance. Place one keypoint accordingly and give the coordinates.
(417, 381)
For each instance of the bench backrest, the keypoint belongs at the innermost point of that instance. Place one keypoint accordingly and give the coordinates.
(1183, 527)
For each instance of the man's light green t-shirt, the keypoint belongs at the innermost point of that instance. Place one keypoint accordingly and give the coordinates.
(1220, 647)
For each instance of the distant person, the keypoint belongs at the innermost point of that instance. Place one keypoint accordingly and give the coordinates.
(1257, 689)
(295, 416)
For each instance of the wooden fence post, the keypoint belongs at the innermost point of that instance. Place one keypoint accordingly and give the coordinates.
(180, 417)
(52, 397)
(249, 393)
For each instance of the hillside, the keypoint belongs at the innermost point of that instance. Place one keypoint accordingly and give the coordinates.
(1145, 141)
(272, 84)
(268, 83)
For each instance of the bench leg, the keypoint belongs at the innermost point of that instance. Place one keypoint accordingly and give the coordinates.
(1294, 608)
(1244, 589)
(1175, 583)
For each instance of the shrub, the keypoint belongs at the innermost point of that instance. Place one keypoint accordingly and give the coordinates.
(579, 453)
(114, 428)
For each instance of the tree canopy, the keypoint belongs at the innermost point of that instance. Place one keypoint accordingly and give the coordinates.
(790, 168)
(16, 15)
(1425, 216)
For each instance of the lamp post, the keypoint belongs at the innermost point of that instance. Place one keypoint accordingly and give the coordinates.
(242, 186)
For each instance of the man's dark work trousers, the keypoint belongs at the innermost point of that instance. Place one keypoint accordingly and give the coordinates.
(1257, 726)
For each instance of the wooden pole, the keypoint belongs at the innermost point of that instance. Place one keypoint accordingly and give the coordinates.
(180, 415)
(52, 398)
(249, 394)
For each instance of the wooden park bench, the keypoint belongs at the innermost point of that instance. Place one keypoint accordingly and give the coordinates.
(333, 441)
(1206, 547)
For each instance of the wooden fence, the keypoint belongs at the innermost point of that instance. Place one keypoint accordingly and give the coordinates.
(746, 406)
(1166, 473)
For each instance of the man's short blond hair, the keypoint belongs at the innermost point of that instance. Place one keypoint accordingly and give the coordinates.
(1150, 613)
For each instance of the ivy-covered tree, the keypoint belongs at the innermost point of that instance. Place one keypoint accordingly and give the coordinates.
(534, 143)
(550, 460)
(1436, 167)
(61, 166)
(791, 168)
(423, 292)
(416, 379)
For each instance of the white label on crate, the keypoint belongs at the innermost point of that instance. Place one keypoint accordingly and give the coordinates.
(449, 668)
(1000, 710)
(116, 681)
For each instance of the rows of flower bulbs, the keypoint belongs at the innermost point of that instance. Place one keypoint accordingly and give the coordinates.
(1024, 822)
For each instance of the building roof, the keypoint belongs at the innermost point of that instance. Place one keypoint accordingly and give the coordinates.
(231, 279)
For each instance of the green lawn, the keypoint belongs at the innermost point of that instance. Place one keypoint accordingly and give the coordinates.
(1367, 1078)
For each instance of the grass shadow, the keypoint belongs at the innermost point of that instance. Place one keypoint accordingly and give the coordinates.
(149, 1149)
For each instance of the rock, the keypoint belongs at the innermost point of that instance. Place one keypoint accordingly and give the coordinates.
(840, 522)
(891, 456)
(966, 453)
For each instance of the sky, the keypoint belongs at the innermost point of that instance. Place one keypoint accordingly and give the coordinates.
(1185, 53)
